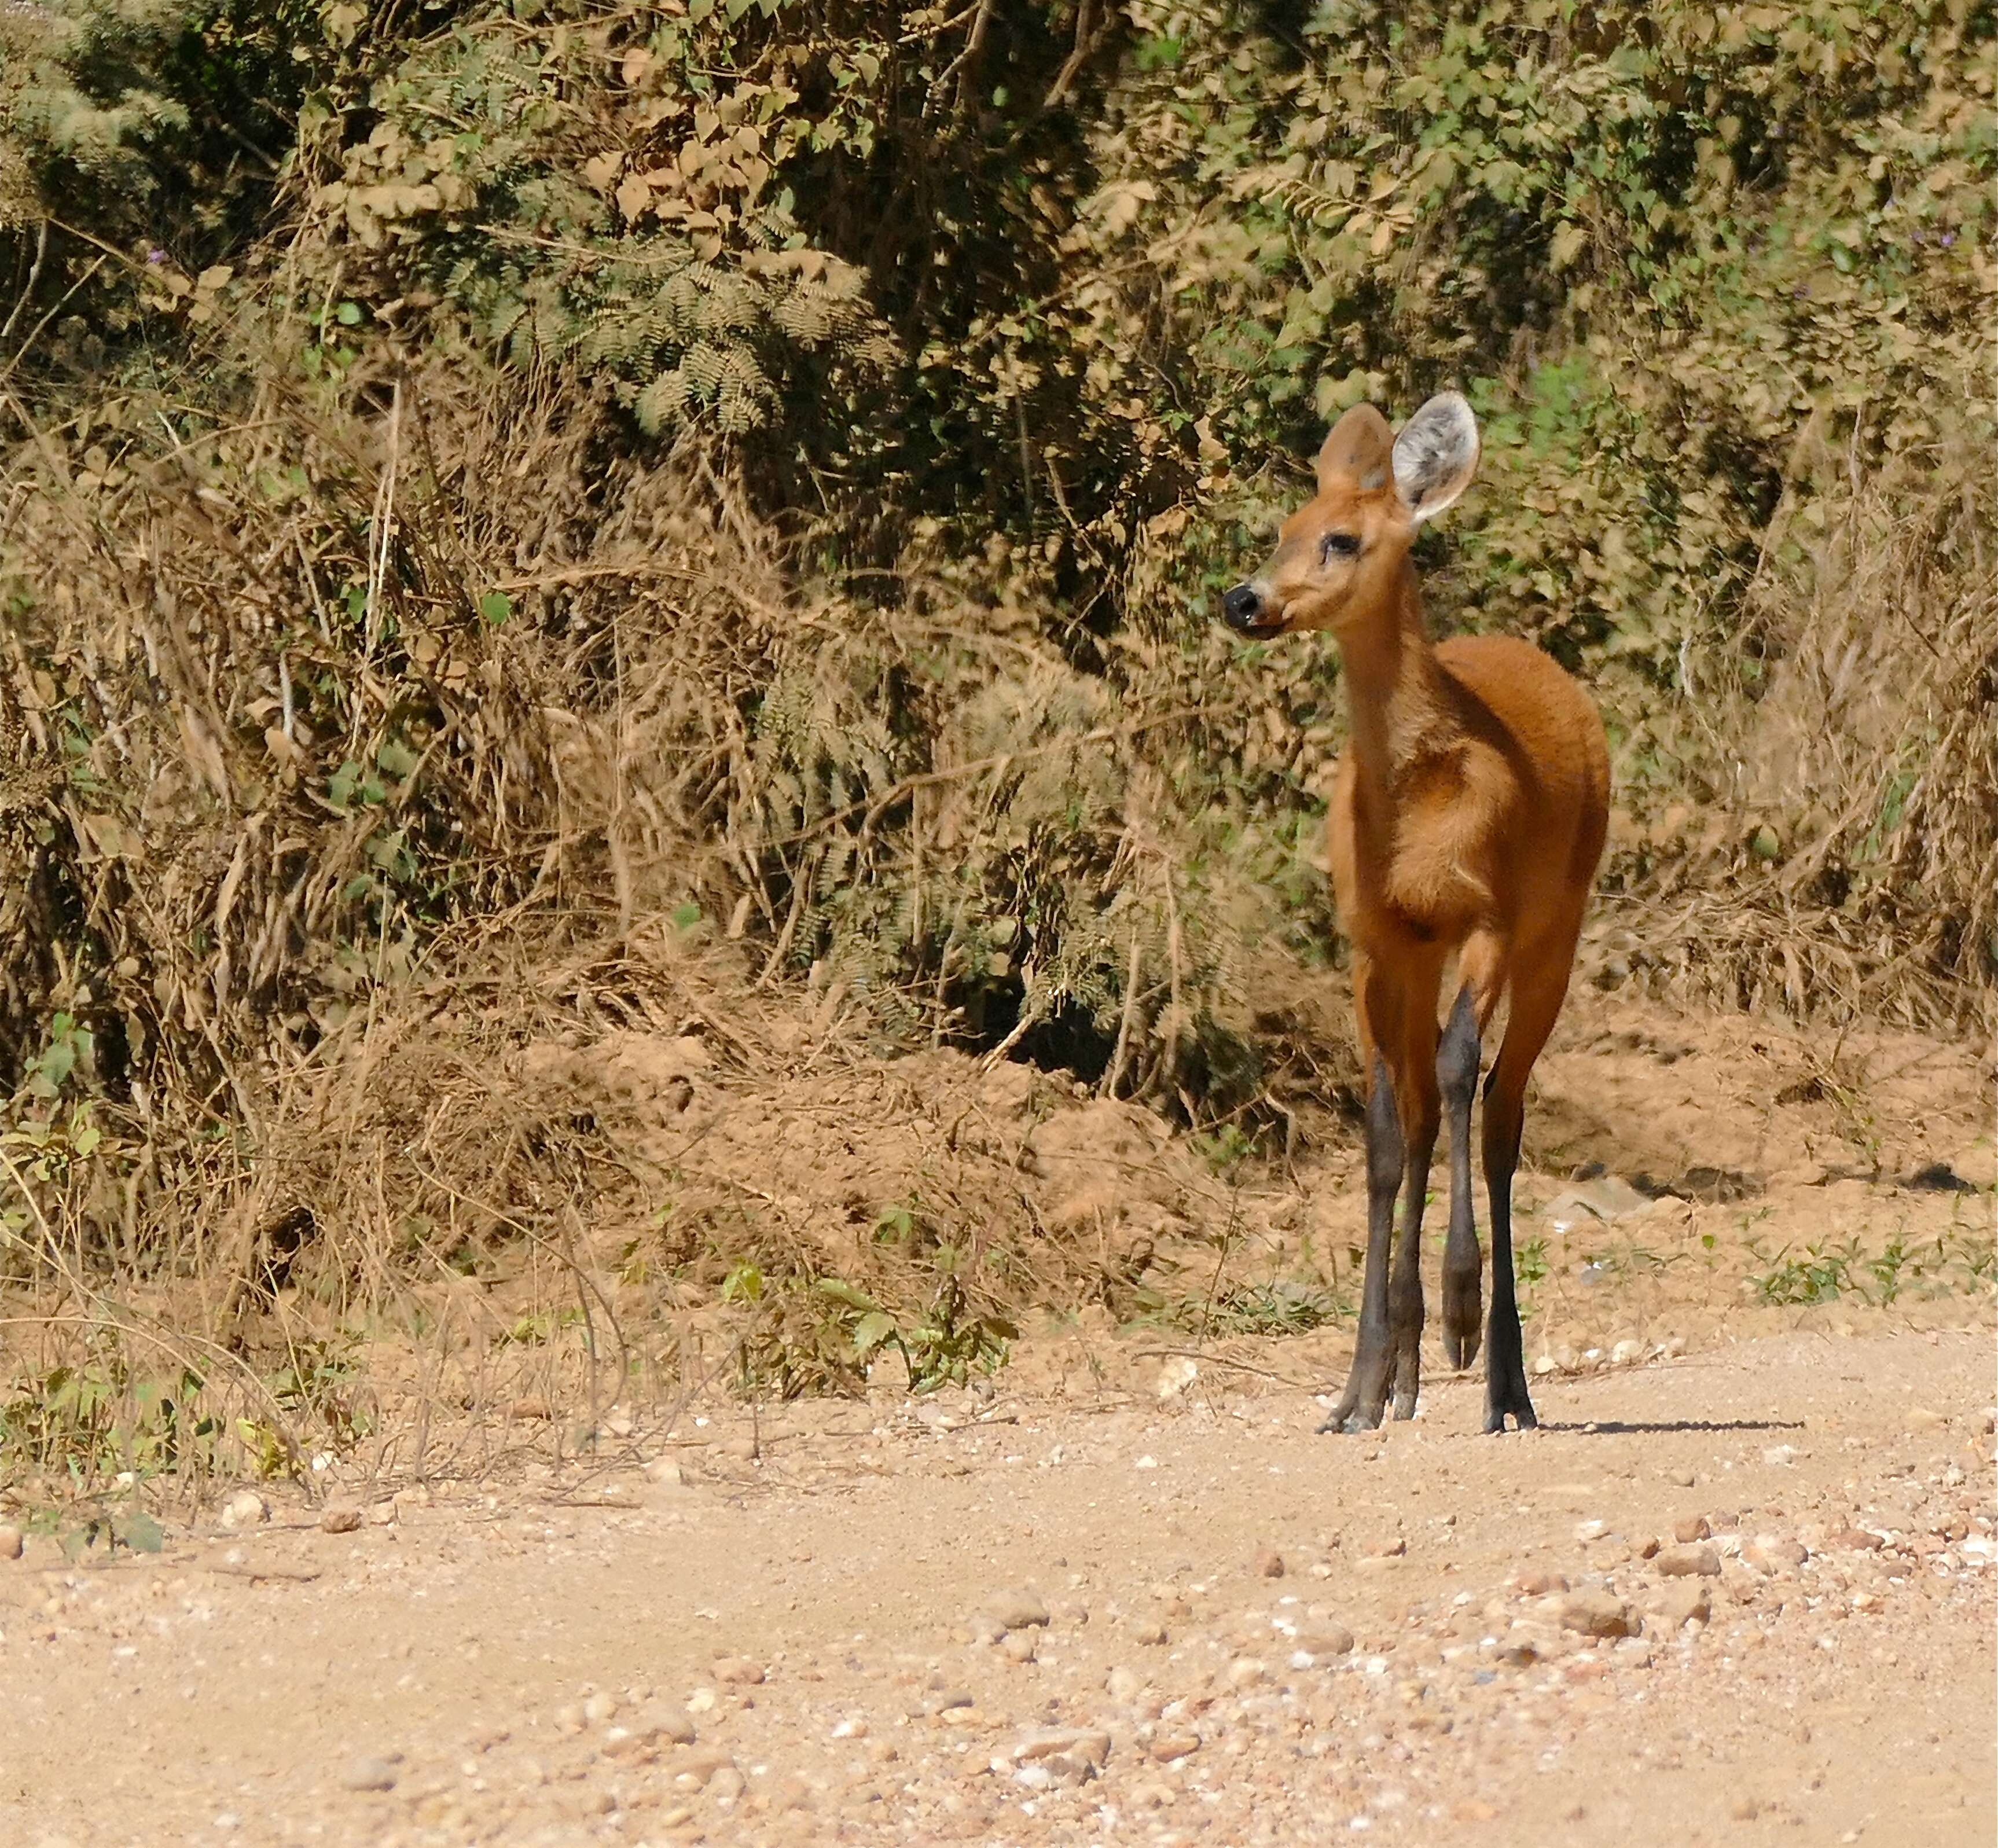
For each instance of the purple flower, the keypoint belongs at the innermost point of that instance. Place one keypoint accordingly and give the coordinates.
(1948, 238)
(155, 257)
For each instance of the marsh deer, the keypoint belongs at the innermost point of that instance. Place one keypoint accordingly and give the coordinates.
(1467, 816)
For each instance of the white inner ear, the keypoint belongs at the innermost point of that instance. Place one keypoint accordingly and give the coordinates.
(1436, 455)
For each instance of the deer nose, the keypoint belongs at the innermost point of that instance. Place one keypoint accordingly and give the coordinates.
(1241, 606)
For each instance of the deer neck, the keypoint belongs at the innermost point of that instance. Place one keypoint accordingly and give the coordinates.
(1398, 711)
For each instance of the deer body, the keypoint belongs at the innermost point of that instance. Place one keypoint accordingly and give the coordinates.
(1466, 819)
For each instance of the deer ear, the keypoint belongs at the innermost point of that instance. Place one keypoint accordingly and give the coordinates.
(1436, 455)
(1357, 451)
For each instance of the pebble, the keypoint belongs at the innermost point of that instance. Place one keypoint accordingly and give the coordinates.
(1768, 1554)
(1326, 1639)
(727, 1785)
(342, 1518)
(1150, 1633)
(1597, 1614)
(1269, 1563)
(245, 1508)
(738, 1671)
(10, 1543)
(369, 1774)
(600, 1708)
(382, 1514)
(1015, 1610)
(1124, 1684)
(1693, 1528)
(1089, 1744)
(665, 1472)
(1538, 1584)
(1697, 1561)
(694, 1770)
(1685, 1603)
(1018, 1646)
(1246, 1671)
(1856, 1539)
(1169, 1748)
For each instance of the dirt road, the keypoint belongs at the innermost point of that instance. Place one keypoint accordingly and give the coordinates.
(1117, 1619)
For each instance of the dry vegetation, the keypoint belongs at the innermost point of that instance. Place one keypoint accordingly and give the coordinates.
(523, 892)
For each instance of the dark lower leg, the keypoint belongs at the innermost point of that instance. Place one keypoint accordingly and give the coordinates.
(1504, 1358)
(1457, 1078)
(1404, 1294)
(1359, 1404)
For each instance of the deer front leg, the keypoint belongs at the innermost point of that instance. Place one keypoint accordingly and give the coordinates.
(1365, 1395)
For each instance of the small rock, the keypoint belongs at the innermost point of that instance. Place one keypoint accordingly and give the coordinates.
(1745, 1809)
(1856, 1539)
(737, 1671)
(1269, 1563)
(1699, 1561)
(1680, 1478)
(1124, 1684)
(1686, 1602)
(344, 1519)
(727, 1785)
(1018, 1646)
(665, 1472)
(1176, 1376)
(1538, 1584)
(369, 1774)
(1169, 1748)
(245, 1508)
(10, 1543)
(1597, 1614)
(1088, 1744)
(1149, 1632)
(1326, 1640)
(1694, 1526)
(1627, 1353)
(382, 1514)
(1246, 1671)
(1769, 1555)
(1017, 1610)
(1920, 1418)
(693, 1770)
(599, 1708)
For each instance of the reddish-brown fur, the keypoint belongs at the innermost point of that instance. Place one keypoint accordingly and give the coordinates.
(1467, 819)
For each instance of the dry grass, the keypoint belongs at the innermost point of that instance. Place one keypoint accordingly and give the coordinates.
(1847, 866)
(466, 884)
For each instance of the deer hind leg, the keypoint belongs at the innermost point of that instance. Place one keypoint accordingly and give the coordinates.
(1481, 971)
(1539, 985)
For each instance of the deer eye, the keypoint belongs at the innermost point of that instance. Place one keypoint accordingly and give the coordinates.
(1339, 545)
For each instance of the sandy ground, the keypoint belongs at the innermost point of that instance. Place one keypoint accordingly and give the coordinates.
(1741, 1597)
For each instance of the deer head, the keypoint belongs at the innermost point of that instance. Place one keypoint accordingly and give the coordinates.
(1339, 558)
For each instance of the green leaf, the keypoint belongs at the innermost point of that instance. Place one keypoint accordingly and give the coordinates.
(139, 1531)
(843, 1292)
(495, 607)
(348, 314)
(871, 1330)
